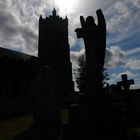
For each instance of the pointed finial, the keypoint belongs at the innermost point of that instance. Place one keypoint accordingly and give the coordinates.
(54, 12)
(40, 18)
(66, 20)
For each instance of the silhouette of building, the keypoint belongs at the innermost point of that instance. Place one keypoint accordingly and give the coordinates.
(18, 70)
(54, 48)
(16, 74)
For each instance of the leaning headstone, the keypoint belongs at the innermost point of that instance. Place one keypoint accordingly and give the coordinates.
(46, 108)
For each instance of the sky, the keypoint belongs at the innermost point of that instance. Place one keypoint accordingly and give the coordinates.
(19, 30)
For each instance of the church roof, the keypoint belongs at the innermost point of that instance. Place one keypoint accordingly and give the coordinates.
(13, 54)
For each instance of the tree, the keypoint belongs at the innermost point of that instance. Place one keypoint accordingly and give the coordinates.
(105, 77)
(81, 75)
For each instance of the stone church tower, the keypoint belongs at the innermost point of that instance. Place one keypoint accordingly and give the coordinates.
(54, 48)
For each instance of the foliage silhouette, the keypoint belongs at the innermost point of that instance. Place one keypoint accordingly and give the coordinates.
(81, 75)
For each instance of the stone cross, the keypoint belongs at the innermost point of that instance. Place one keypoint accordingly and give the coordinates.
(125, 83)
(94, 37)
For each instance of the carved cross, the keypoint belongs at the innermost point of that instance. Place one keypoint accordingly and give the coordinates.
(125, 83)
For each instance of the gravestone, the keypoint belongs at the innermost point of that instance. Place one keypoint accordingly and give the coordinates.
(94, 37)
(125, 83)
(97, 114)
(124, 105)
(47, 115)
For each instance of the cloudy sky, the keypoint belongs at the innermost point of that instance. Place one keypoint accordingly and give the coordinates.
(19, 29)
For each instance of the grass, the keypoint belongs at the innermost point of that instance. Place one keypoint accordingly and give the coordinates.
(133, 131)
(10, 128)
(15, 126)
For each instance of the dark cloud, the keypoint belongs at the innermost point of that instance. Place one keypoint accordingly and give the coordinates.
(75, 56)
(115, 57)
(19, 24)
(108, 57)
(117, 76)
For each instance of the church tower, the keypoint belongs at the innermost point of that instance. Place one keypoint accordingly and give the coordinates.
(54, 48)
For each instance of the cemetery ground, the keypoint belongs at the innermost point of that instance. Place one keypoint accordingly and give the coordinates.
(11, 127)
(15, 125)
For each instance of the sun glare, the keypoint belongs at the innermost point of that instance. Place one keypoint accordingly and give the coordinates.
(66, 6)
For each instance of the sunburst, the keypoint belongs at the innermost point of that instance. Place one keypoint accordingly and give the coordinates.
(66, 6)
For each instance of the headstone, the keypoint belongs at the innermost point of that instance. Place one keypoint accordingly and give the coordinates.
(94, 37)
(125, 83)
(125, 104)
(47, 116)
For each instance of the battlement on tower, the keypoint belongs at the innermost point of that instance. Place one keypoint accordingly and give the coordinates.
(54, 20)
